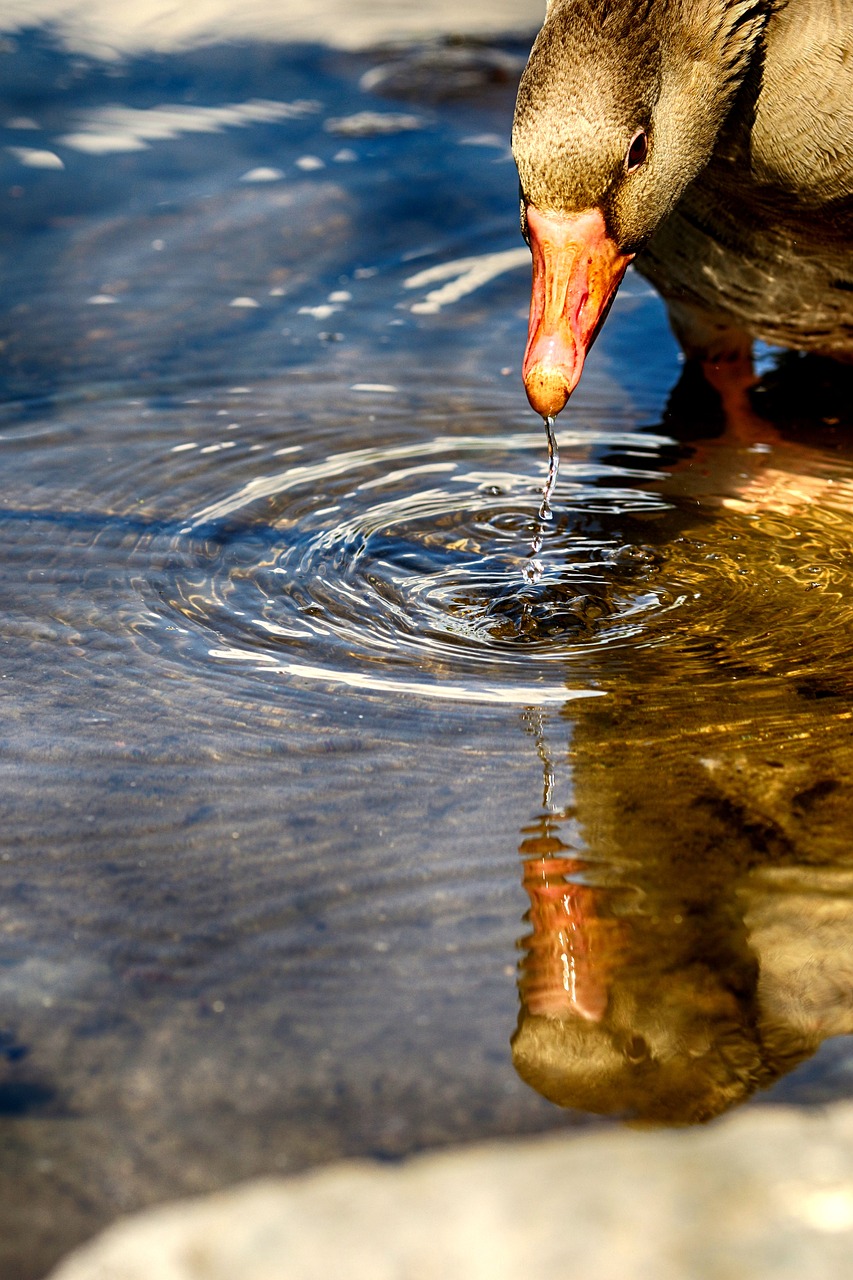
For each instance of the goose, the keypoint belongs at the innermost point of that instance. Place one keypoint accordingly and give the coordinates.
(712, 140)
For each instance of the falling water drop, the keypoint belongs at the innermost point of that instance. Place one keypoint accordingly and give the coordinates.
(534, 568)
(553, 468)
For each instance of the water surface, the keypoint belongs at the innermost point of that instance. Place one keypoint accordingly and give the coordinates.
(313, 801)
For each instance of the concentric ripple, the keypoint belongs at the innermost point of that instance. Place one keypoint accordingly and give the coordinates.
(406, 567)
(403, 568)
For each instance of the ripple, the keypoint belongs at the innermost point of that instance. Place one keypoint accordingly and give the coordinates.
(404, 567)
(401, 567)
(766, 593)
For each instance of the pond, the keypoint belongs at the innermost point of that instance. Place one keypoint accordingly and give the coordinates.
(328, 829)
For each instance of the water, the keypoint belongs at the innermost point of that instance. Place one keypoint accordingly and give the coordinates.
(316, 797)
(533, 571)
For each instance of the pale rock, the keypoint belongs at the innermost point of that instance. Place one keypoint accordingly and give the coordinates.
(764, 1195)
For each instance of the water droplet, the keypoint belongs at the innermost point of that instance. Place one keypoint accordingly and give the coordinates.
(533, 572)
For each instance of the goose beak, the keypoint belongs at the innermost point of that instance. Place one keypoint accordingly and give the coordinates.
(577, 268)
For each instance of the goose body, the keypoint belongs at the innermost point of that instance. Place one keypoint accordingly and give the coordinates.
(711, 139)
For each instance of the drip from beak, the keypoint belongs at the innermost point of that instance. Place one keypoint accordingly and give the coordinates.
(577, 269)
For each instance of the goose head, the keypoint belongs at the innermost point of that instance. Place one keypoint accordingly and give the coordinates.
(618, 110)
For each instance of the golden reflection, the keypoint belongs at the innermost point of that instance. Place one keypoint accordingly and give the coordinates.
(680, 955)
(690, 928)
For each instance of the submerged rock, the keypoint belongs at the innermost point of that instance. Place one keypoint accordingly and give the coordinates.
(767, 1194)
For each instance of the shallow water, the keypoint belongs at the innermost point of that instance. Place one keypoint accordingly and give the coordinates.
(312, 801)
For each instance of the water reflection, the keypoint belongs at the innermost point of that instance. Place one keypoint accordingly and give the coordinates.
(691, 902)
(669, 989)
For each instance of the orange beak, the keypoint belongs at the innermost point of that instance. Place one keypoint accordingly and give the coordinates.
(577, 269)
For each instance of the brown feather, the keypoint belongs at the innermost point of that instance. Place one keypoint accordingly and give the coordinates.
(745, 202)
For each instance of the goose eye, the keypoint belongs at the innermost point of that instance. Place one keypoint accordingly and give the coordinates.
(637, 151)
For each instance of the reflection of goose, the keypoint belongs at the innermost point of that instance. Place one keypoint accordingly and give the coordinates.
(691, 896)
(672, 999)
(713, 135)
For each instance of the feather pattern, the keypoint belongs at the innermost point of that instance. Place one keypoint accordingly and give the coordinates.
(743, 209)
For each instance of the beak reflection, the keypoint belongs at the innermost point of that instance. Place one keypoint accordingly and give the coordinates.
(677, 957)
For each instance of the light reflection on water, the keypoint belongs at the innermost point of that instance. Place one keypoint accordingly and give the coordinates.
(278, 699)
(386, 575)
